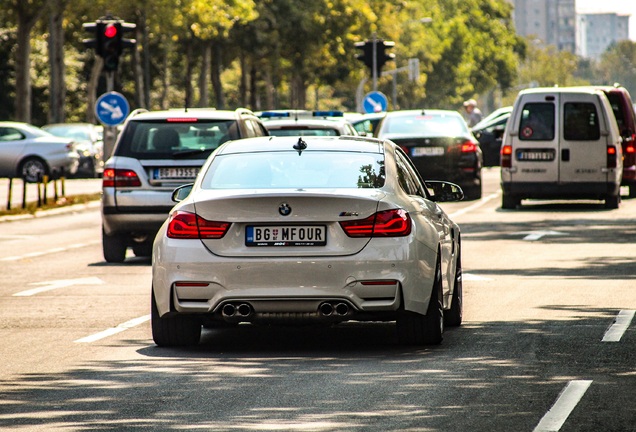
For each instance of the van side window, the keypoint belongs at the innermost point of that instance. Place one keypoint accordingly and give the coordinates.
(580, 122)
(537, 122)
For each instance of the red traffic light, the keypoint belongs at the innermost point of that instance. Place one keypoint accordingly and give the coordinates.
(110, 31)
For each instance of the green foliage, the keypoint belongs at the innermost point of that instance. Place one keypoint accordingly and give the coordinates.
(274, 54)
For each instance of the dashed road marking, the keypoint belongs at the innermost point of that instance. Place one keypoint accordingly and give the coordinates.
(615, 332)
(49, 251)
(114, 330)
(563, 407)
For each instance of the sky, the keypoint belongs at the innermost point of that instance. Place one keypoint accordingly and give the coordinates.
(625, 7)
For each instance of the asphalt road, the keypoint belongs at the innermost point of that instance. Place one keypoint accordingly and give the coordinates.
(547, 342)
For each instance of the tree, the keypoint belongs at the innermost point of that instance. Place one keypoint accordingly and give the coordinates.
(27, 13)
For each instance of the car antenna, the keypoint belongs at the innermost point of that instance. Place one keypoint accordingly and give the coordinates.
(300, 145)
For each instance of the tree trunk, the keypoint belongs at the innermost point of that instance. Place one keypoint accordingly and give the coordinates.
(147, 53)
(27, 14)
(216, 75)
(57, 86)
(204, 97)
(91, 89)
(189, 90)
(140, 92)
(243, 82)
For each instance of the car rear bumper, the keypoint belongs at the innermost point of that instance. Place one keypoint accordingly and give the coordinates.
(542, 190)
(189, 279)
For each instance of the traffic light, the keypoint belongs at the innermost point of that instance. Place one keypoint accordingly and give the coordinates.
(382, 55)
(366, 56)
(110, 44)
(108, 39)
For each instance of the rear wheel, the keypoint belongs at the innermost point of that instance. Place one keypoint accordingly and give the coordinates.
(472, 193)
(417, 329)
(174, 330)
(114, 247)
(509, 201)
(143, 249)
(453, 316)
(612, 201)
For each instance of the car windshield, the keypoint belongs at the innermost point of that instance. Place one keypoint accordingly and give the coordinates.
(311, 169)
(425, 125)
(184, 139)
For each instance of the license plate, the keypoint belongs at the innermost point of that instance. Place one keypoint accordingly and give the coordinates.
(535, 155)
(176, 173)
(427, 151)
(294, 235)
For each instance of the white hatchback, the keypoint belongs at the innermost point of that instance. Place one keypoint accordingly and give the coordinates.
(308, 229)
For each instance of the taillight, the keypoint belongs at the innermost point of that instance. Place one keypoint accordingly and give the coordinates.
(186, 225)
(611, 156)
(469, 147)
(630, 149)
(120, 178)
(388, 223)
(506, 156)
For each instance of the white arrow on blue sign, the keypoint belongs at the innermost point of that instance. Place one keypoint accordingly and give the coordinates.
(112, 108)
(375, 102)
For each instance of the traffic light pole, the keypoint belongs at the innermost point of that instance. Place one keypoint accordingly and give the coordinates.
(375, 62)
(110, 132)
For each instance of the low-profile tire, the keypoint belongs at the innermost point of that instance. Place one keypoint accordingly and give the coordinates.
(612, 201)
(173, 331)
(416, 329)
(632, 191)
(33, 169)
(114, 247)
(453, 316)
(509, 202)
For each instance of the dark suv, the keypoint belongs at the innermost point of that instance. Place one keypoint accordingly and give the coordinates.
(155, 153)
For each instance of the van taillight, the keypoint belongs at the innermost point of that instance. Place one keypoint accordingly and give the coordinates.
(388, 223)
(506, 156)
(611, 157)
(120, 178)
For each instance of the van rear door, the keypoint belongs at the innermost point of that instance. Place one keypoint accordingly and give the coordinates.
(583, 152)
(535, 149)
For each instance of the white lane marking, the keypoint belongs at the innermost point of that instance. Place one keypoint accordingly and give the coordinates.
(615, 332)
(114, 330)
(51, 285)
(537, 235)
(50, 251)
(476, 205)
(563, 407)
(474, 277)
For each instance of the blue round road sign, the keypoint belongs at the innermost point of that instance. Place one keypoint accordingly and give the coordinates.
(375, 102)
(112, 108)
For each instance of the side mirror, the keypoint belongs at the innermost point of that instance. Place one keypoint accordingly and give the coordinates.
(182, 192)
(442, 191)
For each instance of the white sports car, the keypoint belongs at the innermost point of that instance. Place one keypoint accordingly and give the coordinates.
(308, 229)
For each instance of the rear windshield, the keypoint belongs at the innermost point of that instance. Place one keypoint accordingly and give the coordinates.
(537, 122)
(290, 131)
(425, 125)
(175, 140)
(312, 169)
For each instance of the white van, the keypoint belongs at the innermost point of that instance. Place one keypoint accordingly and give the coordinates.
(561, 143)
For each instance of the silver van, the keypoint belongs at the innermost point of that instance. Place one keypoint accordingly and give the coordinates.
(561, 143)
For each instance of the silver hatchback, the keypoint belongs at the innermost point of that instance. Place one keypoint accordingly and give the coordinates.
(155, 153)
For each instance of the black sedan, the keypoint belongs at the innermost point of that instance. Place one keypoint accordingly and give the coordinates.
(440, 145)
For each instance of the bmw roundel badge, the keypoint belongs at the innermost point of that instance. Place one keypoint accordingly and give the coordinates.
(284, 209)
